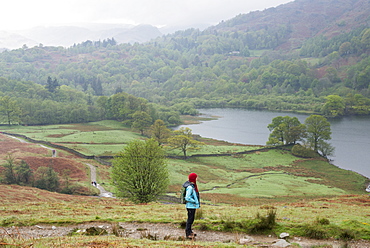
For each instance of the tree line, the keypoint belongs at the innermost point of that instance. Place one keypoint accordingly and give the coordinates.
(28, 103)
(206, 69)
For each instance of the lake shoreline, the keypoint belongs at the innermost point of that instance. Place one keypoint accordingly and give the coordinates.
(350, 135)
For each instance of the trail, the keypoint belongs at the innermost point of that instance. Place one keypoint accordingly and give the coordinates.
(103, 192)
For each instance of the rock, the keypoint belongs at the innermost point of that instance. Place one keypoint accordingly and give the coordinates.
(246, 240)
(284, 235)
(281, 243)
(54, 227)
(39, 227)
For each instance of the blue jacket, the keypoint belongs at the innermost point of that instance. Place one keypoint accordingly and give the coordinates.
(191, 197)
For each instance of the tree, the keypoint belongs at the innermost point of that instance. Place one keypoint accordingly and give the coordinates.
(9, 172)
(24, 173)
(9, 110)
(52, 84)
(345, 48)
(334, 106)
(325, 148)
(16, 174)
(285, 130)
(318, 131)
(46, 178)
(140, 171)
(160, 132)
(183, 139)
(142, 120)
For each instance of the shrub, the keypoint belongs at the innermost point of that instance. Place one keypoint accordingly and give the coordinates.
(229, 225)
(322, 221)
(304, 152)
(315, 232)
(264, 223)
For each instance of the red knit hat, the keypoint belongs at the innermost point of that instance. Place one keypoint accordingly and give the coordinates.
(193, 179)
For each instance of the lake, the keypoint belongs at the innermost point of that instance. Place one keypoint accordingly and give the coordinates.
(350, 135)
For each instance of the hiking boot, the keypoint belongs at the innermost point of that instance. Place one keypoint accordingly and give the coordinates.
(191, 236)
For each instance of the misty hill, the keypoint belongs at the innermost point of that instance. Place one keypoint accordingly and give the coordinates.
(68, 35)
(9, 40)
(297, 21)
(303, 19)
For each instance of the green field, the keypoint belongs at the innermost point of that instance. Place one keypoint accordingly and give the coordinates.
(273, 174)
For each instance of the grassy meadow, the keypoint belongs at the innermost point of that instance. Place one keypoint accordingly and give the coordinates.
(233, 188)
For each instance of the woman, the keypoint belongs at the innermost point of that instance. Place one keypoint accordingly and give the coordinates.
(192, 203)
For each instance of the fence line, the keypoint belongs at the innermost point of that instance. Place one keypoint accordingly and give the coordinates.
(102, 159)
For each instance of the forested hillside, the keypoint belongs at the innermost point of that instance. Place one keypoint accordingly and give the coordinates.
(306, 55)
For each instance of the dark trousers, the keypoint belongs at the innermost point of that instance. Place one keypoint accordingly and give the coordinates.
(190, 221)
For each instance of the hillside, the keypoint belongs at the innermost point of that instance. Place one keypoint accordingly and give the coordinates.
(303, 19)
(278, 59)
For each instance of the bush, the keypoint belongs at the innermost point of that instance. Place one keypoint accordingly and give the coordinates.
(347, 235)
(322, 221)
(315, 232)
(304, 152)
(264, 223)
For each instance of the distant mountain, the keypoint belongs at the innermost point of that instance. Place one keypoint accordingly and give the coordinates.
(10, 40)
(59, 36)
(140, 33)
(68, 35)
(303, 19)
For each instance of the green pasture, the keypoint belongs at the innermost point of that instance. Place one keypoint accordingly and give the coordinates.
(248, 161)
(95, 138)
(239, 176)
(97, 149)
(212, 149)
(275, 185)
(98, 137)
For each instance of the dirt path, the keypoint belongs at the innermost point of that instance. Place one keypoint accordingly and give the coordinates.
(54, 152)
(103, 192)
(169, 232)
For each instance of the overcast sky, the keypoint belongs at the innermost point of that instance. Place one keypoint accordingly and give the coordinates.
(23, 14)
